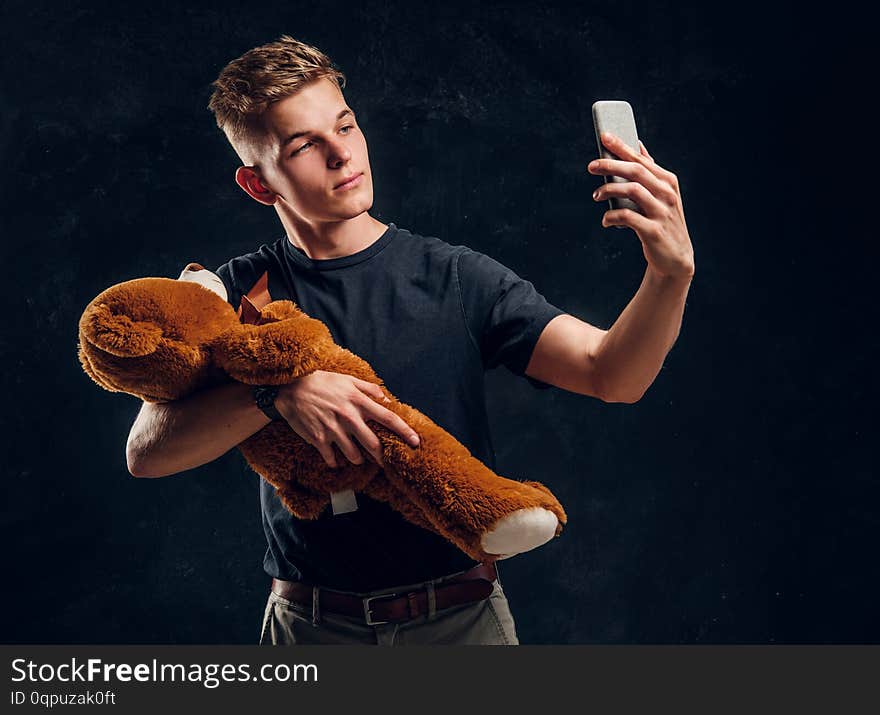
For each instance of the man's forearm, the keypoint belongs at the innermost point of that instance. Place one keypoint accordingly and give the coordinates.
(633, 349)
(167, 438)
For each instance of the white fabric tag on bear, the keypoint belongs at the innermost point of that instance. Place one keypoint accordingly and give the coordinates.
(210, 280)
(343, 502)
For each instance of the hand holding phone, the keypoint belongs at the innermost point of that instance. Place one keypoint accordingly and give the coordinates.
(616, 116)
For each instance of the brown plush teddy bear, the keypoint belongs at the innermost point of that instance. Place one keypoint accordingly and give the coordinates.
(162, 339)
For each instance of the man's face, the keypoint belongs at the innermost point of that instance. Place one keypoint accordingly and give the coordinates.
(315, 144)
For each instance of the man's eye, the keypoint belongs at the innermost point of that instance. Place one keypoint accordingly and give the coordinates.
(347, 126)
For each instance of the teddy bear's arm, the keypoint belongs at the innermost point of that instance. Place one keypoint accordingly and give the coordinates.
(274, 353)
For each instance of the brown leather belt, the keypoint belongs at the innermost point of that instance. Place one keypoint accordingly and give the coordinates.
(467, 587)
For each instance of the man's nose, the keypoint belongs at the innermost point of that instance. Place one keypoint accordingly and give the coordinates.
(339, 152)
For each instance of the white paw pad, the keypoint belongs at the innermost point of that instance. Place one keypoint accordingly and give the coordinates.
(523, 530)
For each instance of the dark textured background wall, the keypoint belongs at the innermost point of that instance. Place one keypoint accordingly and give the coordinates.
(736, 502)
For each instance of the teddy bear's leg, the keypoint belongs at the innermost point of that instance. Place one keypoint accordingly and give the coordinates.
(521, 530)
(299, 502)
(302, 479)
(486, 523)
(381, 489)
(485, 515)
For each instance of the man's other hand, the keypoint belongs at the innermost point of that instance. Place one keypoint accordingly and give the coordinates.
(327, 408)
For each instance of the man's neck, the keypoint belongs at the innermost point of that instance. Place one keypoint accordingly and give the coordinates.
(333, 240)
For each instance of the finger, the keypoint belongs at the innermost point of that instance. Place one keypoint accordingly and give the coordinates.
(326, 450)
(658, 170)
(348, 448)
(357, 428)
(621, 149)
(371, 389)
(624, 151)
(670, 178)
(370, 442)
(393, 422)
(634, 171)
(652, 207)
(629, 218)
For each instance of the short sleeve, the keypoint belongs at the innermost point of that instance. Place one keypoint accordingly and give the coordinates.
(224, 273)
(239, 275)
(504, 313)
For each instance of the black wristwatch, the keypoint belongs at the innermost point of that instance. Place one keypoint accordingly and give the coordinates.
(264, 396)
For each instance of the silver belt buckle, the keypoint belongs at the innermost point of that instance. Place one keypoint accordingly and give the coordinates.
(368, 612)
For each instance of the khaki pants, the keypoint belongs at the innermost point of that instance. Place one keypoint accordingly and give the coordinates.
(487, 622)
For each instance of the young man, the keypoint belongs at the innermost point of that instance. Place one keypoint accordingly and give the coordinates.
(430, 318)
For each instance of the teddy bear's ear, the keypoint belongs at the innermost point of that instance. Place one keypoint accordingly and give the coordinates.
(118, 334)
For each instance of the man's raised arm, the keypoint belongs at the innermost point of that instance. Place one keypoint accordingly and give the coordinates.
(619, 364)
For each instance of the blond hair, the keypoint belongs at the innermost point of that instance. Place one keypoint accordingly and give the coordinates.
(248, 85)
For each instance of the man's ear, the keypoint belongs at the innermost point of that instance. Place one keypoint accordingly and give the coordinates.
(252, 185)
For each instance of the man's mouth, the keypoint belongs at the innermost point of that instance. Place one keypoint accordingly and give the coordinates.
(350, 182)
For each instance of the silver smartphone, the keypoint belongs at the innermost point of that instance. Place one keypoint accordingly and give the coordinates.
(616, 116)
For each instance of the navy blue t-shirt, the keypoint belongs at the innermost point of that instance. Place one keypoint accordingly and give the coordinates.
(430, 318)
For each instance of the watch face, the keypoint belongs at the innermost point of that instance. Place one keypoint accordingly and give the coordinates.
(265, 396)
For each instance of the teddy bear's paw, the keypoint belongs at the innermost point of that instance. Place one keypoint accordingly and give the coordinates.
(522, 530)
(280, 310)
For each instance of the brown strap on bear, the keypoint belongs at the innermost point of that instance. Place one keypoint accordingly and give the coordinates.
(249, 313)
(252, 303)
